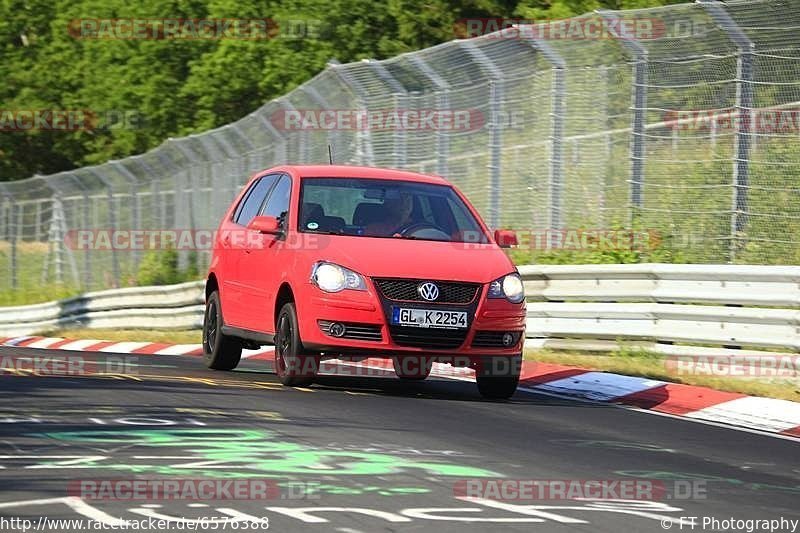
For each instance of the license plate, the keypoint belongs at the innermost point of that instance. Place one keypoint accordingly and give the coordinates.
(429, 318)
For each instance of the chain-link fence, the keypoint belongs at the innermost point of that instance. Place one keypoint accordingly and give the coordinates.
(686, 123)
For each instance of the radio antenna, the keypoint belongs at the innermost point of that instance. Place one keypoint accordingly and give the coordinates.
(330, 154)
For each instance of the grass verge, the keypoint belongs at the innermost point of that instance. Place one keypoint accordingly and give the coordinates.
(194, 336)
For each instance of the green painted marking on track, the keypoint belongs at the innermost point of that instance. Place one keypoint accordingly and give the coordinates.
(245, 452)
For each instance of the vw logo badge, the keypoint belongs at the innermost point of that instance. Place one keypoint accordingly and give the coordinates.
(429, 291)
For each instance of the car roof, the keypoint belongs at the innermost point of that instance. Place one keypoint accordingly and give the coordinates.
(353, 171)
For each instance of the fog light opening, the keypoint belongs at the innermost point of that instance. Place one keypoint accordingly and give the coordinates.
(508, 339)
(337, 329)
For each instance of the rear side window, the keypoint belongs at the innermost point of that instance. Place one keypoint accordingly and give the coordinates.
(278, 203)
(252, 201)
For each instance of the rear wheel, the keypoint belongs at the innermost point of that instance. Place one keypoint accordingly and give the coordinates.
(220, 351)
(293, 367)
(498, 377)
(412, 368)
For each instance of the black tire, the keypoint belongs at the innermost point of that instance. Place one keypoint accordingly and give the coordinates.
(220, 351)
(498, 377)
(412, 368)
(293, 367)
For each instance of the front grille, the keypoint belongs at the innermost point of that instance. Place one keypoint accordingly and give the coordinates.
(435, 339)
(354, 331)
(493, 339)
(405, 290)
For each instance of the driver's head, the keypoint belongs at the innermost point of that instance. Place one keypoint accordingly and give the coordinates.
(400, 207)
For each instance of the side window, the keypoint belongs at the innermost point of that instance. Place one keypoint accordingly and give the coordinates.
(278, 203)
(252, 201)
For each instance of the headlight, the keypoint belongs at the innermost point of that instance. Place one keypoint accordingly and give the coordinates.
(334, 278)
(509, 287)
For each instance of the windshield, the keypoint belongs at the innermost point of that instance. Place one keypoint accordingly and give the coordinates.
(384, 208)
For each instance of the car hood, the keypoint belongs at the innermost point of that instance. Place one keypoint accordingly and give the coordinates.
(408, 258)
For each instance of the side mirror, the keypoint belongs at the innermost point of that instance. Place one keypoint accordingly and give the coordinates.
(505, 238)
(268, 225)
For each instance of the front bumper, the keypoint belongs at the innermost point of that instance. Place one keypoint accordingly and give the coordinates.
(367, 314)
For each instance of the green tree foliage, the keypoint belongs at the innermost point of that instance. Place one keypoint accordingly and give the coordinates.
(177, 87)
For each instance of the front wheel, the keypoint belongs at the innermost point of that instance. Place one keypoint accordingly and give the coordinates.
(220, 351)
(293, 367)
(498, 377)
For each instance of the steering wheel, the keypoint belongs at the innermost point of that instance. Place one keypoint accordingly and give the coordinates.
(414, 227)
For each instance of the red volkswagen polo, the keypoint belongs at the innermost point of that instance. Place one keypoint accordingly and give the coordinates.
(343, 261)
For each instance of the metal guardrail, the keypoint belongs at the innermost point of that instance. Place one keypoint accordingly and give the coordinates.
(716, 308)
(740, 285)
(658, 306)
(162, 307)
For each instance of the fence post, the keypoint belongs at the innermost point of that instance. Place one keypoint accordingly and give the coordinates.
(605, 109)
(236, 129)
(38, 221)
(558, 112)
(442, 103)
(229, 151)
(137, 203)
(112, 222)
(217, 201)
(399, 98)
(331, 134)
(87, 260)
(639, 104)
(168, 162)
(155, 190)
(302, 155)
(14, 236)
(744, 105)
(205, 216)
(496, 95)
(8, 232)
(57, 236)
(364, 153)
(280, 156)
(188, 211)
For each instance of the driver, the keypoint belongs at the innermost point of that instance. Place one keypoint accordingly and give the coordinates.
(397, 215)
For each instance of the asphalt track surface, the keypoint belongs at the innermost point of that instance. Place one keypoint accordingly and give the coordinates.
(364, 453)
